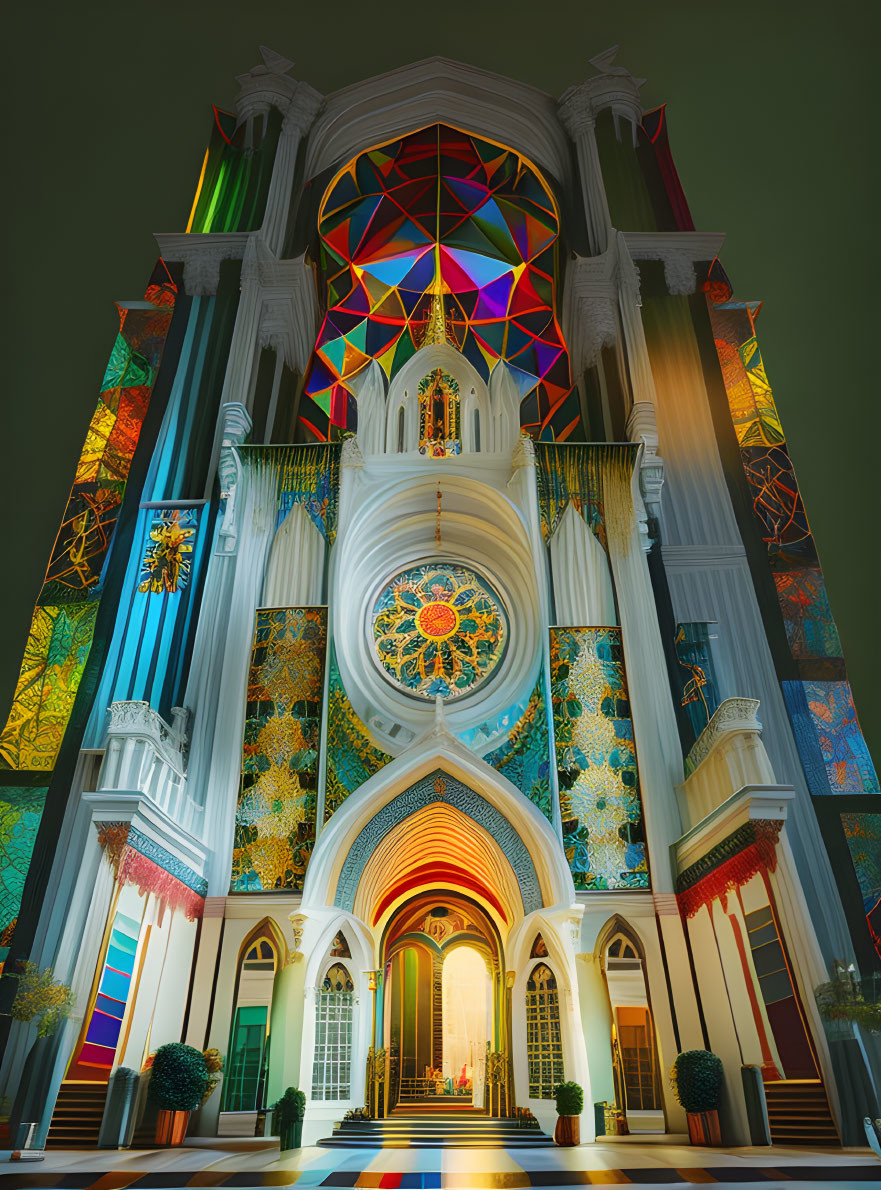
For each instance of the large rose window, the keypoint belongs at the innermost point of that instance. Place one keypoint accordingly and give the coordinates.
(439, 629)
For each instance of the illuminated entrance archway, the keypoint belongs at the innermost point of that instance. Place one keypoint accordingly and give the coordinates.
(443, 1002)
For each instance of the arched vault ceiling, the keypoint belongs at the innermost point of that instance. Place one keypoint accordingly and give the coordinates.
(438, 845)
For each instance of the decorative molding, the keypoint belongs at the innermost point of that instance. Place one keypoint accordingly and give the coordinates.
(271, 85)
(439, 89)
(524, 451)
(613, 87)
(590, 301)
(703, 557)
(729, 864)
(202, 254)
(439, 786)
(732, 715)
(642, 427)
(234, 425)
(139, 719)
(679, 251)
(666, 904)
(288, 320)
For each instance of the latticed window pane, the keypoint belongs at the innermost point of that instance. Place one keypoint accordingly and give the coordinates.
(544, 1041)
(331, 1071)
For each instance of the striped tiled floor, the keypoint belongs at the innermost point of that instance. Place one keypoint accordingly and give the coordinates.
(436, 1180)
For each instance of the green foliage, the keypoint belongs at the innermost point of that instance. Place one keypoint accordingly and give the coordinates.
(696, 1079)
(39, 998)
(287, 1110)
(846, 998)
(179, 1078)
(570, 1099)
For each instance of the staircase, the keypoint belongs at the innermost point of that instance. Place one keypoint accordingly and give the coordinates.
(435, 1128)
(76, 1120)
(798, 1113)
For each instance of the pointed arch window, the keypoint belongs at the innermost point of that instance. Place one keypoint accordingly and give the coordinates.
(544, 1039)
(334, 1009)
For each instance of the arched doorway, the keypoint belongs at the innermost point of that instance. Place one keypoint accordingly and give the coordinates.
(634, 1048)
(442, 1003)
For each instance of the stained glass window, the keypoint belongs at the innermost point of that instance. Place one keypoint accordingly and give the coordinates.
(443, 234)
(439, 629)
(544, 1040)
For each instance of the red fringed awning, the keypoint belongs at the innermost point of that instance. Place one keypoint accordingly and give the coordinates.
(132, 867)
(758, 857)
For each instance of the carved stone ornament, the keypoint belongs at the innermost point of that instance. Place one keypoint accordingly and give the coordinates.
(642, 427)
(201, 254)
(139, 720)
(285, 292)
(734, 714)
(679, 251)
(298, 924)
(235, 425)
(612, 87)
(524, 451)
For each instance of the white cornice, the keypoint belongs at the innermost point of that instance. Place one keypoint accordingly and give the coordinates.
(143, 813)
(679, 251)
(752, 802)
(439, 90)
(201, 254)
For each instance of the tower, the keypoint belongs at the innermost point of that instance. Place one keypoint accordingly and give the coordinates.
(433, 552)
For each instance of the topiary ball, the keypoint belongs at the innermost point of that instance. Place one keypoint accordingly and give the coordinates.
(570, 1099)
(697, 1080)
(178, 1079)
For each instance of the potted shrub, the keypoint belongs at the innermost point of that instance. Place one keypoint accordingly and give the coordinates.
(696, 1079)
(178, 1079)
(570, 1104)
(287, 1119)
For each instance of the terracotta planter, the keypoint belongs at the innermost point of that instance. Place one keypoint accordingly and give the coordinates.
(703, 1128)
(171, 1127)
(568, 1131)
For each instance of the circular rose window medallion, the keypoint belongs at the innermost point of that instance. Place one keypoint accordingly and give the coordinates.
(439, 629)
(437, 621)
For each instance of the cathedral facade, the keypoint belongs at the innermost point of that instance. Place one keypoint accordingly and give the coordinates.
(433, 696)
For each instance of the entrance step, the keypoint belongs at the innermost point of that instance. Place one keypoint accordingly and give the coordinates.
(435, 1129)
(76, 1120)
(798, 1113)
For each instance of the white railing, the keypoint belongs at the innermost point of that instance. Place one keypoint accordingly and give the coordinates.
(146, 755)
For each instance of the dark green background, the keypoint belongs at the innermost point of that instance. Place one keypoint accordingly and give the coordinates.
(773, 111)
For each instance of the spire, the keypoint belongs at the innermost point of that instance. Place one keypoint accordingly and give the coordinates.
(439, 325)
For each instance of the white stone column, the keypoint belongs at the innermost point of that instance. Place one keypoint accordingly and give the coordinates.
(304, 107)
(658, 751)
(642, 423)
(577, 116)
(257, 507)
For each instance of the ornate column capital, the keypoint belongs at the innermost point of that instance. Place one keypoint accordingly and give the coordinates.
(575, 111)
(304, 106)
(265, 85)
(201, 254)
(612, 87)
